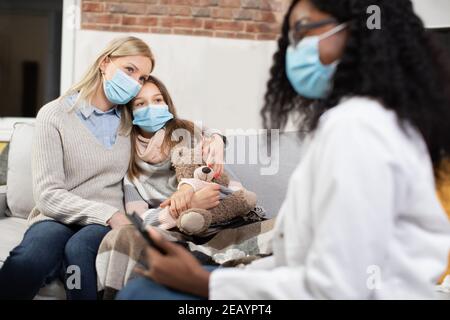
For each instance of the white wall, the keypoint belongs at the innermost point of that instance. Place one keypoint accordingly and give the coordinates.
(435, 13)
(70, 27)
(218, 81)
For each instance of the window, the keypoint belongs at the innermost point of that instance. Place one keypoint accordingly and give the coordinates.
(30, 55)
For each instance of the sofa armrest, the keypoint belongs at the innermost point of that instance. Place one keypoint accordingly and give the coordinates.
(3, 201)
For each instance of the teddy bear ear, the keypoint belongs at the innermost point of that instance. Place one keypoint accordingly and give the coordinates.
(178, 155)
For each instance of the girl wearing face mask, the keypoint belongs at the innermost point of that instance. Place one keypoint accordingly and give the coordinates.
(361, 218)
(80, 156)
(151, 187)
(151, 176)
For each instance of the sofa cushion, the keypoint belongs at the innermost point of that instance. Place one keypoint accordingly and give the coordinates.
(11, 233)
(270, 185)
(20, 193)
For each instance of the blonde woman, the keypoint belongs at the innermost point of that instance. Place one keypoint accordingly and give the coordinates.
(80, 156)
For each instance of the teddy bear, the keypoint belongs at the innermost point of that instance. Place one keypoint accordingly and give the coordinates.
(235, 201)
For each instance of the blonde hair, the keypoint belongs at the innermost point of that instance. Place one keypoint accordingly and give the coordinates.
(92, 79)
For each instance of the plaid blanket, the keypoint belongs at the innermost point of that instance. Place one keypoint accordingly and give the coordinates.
(230, 246)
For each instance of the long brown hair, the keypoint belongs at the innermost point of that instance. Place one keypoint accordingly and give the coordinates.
(170, 137)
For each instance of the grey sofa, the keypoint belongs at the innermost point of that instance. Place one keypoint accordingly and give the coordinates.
(16, 199)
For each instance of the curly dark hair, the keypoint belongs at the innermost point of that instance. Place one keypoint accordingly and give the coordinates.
(401, 65)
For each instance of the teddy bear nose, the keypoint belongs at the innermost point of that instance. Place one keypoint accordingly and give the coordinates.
(206, 170)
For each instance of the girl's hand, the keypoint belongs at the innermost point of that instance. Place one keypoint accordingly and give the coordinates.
(213, 154)
(206, 198)
(180, 201)
(177, 269)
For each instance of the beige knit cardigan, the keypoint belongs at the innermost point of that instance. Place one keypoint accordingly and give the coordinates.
(76, 180)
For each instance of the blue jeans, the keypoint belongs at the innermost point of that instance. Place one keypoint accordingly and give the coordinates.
(48, 248)
(147, 289)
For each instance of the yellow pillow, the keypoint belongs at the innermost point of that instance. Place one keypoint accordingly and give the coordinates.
(443, 191)
(2, 146)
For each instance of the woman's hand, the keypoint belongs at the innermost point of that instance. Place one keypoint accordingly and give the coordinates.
(206, 198)
(213, 154)
(179, 201)
(177, 269)
(117, 220)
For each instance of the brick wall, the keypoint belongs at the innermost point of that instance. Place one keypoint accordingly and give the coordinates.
(239, 19)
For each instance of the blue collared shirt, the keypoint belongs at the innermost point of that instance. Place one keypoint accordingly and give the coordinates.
(103, 125)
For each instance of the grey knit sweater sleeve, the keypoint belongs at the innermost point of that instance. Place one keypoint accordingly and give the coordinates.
(51, 181)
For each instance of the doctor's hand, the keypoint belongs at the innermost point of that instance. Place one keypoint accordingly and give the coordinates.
(177, 269)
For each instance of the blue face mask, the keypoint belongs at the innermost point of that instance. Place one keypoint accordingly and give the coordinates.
(121, 88)
(307, 74)
(152, 117)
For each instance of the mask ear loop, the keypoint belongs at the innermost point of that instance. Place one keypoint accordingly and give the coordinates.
(103, 72)
(111, 61)
(333, 31)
